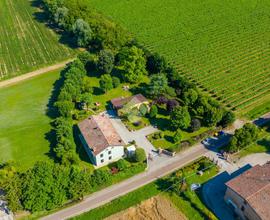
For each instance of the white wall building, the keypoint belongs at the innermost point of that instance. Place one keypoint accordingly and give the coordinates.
(101, 141)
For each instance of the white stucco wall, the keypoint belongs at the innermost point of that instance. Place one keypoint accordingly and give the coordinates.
(115, 152)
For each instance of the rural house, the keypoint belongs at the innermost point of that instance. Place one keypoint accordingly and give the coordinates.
(249, 193)
(132, 102)
(100, 140)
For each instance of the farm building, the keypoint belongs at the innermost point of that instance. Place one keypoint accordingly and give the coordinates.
(129, 102)
(249, 193)
(5, 213)
(101, 140)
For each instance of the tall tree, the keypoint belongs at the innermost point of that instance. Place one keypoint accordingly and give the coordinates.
(106, 83)
(83, 32)
(105, 61)
(133, 64)
(180, 118)
(158, 84)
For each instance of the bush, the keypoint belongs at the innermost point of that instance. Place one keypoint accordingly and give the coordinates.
(122, 164)
(195, 124)
(153, 111)
(177, 136)
(143, 109)
(116, 81)
(140, 155)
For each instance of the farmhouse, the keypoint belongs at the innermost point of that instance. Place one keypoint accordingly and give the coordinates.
(132, 102)
(100, 140)
(249, 193)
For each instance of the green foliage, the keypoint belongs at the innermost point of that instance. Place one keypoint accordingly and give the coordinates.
(105, 62)
(190, 96)
(156, 63)
(243, 137)
(65, 108)
(83, 32)
(87, 98)
(180, 118)
(132, 62)
(86, 85)
(213, 116)
(106, 83)
(140, 155)
(85, 57)
(177, 136)
(100, 177)
(153, 111)
(122, 164)
(195, 124)
(116, 81)
(227, 119)
(158, 84)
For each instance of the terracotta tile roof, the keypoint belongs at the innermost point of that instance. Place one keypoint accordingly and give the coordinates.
(120, 102)
(254, 186)
(99, 133)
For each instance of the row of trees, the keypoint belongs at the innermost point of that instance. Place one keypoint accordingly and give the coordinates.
(88, 28)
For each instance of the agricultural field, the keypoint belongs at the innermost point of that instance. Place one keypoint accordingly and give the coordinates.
(24, 122)
(222, 46)
(26, 44)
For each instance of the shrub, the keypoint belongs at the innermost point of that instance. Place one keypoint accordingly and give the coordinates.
(140, 155)
(195, 124)
(122, 164)
(177, 136)
(116, 81)
(153, 111)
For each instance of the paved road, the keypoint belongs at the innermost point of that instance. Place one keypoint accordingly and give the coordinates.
(29, 75)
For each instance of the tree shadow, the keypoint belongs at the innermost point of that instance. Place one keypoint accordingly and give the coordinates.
(161, 123)
(41, 16)
(139, 89)
(265, 143)
(52, 113)
(79, 147)
(97, 91)
(169, 138)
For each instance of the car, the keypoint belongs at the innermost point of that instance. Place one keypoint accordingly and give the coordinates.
(195, 186)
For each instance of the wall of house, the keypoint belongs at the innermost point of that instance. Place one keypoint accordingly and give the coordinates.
(110, 154)
(243, 209)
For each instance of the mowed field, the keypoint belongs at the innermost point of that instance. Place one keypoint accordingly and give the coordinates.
(24, 123)
(221, 45)
(25, 43)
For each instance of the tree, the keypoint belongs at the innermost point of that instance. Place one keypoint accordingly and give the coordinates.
(140, 155)
(106, 83)
(86, 85)
(153, 111)
(105, 61)
(116, 81)
(158, 84)
(190, 96)
(213, 116)
(87, 98)
(83, 32)
(171, 105)
(227, 119)
(132, 62)
(122, 164)
(156, 63)
(60, 16)
(177, 136)
(195, 124)
(180, 118)
(65, 108)
(85, 57)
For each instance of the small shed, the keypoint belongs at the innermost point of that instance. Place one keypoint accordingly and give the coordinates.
(131, 150)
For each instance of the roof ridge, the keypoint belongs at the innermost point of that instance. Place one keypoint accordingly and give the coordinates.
(99, 128)
(268, 184)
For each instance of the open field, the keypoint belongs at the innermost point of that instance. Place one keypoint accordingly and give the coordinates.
(222, 46)
(25, 43)
(158, 208)
(23, 120)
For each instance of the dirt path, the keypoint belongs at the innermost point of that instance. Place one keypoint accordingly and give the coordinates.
(155, 208)
(29, 75)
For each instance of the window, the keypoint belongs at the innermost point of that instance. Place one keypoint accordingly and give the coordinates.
(109, 152)
(101, 155)
(242, 208)
(102, 161)
(110, 157)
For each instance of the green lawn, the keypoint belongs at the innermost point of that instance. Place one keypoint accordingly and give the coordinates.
(222, 46)
(188, 202)
(23, 120)
(26, 44)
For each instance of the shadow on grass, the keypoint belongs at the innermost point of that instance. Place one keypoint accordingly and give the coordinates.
(139, 89)
(161, 123)
(264, 143)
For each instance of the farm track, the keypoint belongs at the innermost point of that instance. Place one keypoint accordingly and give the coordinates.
(29, 75)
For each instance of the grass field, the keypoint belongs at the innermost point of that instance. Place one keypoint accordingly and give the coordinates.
(24, 122)
(222, 46)
(25, 43)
